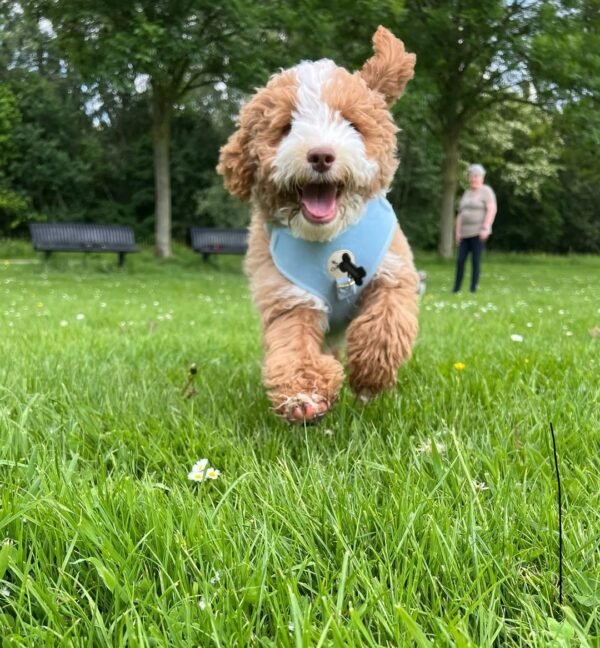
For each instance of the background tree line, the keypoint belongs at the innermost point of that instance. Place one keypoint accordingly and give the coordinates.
(115, 112)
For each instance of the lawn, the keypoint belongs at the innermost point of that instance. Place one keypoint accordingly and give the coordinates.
(428, 517)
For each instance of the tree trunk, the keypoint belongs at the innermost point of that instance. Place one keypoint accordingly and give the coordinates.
(161, 141)
(449, 183)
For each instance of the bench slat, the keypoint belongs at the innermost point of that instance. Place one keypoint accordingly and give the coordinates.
(82, 237)
(214, 240)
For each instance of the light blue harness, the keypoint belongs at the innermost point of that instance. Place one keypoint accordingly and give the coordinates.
(313, 265)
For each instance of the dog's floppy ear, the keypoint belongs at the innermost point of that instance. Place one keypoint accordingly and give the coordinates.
(236, 165)
(391, 68)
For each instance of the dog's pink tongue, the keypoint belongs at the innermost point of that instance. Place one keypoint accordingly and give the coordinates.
(319, 200)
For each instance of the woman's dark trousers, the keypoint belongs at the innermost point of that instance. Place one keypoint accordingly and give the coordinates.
(474, 245)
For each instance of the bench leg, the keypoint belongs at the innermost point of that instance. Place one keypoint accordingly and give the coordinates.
(121, 259)
(205, 255)
(47, 255)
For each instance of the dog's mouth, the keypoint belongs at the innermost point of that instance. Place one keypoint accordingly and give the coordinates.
(318, 201)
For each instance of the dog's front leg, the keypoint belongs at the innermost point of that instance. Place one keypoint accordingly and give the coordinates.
(302, 380)
(382, 335)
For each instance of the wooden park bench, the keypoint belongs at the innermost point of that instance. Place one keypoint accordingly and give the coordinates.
(82, 237)
(217, 240)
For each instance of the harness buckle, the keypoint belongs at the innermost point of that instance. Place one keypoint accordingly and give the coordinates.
(345, 288)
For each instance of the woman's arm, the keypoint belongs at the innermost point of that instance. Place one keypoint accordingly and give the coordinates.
(490, 214)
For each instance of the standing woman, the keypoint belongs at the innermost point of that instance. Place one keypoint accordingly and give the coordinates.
(476, 214)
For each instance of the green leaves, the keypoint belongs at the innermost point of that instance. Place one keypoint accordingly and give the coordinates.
(10, 116)
(512, 84)
(6, 551)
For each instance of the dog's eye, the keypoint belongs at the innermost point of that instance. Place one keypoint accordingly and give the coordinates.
(355, 127)
(286, 130)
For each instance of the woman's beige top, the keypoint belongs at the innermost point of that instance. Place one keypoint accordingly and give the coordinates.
(472, 209)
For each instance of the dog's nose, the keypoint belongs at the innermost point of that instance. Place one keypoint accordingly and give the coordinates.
(321, 158)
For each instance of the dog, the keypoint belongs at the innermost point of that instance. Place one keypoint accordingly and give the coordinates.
(315, 153)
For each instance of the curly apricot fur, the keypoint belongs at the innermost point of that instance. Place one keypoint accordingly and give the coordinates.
(302, 376)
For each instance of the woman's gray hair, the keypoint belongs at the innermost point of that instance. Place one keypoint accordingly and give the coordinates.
(476, 169)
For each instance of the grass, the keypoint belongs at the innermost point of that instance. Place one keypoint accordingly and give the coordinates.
(426, 518)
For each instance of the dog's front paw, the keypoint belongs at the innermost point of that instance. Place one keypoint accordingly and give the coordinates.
(303, 408)
(304, 391)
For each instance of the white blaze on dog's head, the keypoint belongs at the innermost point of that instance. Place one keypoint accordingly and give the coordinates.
(323, 158)
(318, 142)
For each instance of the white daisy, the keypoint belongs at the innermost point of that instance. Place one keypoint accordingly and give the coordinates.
(426, 447)
(515, 337)
(200, 465)
(480, 486)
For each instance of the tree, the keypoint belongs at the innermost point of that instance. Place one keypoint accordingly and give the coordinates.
(11, 203)
(49, 162)
(9, 117)
(518, 145)
(473, 55)
(576, 193)
(82, 148)
(175, 46)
